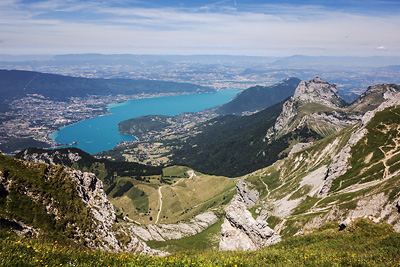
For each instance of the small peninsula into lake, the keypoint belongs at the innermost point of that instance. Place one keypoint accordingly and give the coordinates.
(101, 133)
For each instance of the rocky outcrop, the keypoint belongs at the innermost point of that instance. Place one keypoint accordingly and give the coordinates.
(335, 119)
(245, 194)
(97, 228)
(314, 91)
(162, 232)
(90, 190)
(52, 157)
(240, 231)
(319, 91)
(340, 162)
(289, 112)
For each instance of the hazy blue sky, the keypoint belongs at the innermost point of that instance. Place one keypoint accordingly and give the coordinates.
(253, 27)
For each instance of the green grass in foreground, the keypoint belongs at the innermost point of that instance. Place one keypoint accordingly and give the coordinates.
(363, 244)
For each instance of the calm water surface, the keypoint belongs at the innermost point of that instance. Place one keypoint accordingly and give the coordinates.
(101, 133)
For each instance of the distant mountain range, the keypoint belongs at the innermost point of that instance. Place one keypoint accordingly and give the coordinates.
(287, 62)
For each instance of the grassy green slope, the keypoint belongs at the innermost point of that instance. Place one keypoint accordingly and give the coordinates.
(370, 187)
(133, 188)
(377, 155)
(33, 186)
(185, 193)
(363, 244)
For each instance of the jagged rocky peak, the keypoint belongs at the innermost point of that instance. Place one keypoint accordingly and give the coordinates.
(320, 91)
(387, 90)
(374, 96)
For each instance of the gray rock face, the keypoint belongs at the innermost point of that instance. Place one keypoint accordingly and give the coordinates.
(90, 190)
(55, 158)
(289, 112)
(319, 91)
(246, 195)
(240, 231)
(338, 120)
(162, 232)
(314, 91)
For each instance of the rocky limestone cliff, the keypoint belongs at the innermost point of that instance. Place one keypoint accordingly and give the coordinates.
(107, 231)
(316, 91)
(245, 194)
(162, 232)
(319, 91)
(240, 231)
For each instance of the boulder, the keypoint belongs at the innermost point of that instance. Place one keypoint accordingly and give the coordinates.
(240, 231)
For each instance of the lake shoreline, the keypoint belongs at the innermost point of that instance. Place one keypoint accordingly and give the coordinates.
(87, 135)
(51, 136)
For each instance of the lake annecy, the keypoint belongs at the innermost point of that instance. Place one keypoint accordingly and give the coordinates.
(101, 133)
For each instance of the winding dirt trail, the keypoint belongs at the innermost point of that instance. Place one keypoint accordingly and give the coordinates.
(266, 186)
(390, 150)
(160, 200)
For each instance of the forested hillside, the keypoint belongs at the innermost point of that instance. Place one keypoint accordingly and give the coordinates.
(260, 97)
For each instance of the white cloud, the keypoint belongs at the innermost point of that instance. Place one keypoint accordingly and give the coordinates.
(264, 30)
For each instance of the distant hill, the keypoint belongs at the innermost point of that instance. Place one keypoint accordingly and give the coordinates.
(15, 84)
(260, 97)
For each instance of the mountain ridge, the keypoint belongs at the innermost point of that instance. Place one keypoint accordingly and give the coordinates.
(342, 177)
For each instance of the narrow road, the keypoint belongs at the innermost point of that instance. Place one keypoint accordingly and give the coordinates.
(160, 199)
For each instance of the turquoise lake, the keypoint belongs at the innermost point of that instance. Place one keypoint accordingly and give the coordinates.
(101, 133)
